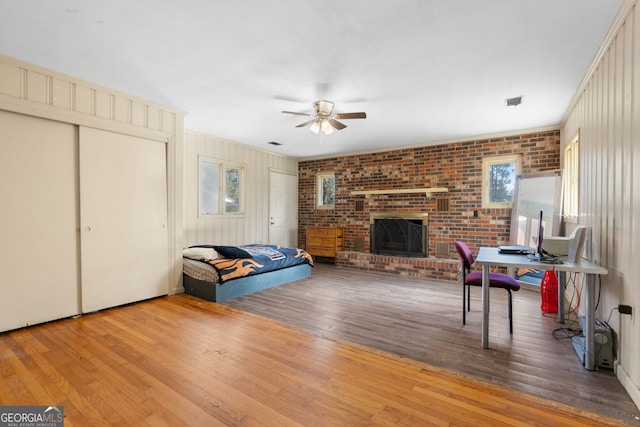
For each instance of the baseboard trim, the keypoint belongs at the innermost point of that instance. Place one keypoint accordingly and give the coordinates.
(627, 383)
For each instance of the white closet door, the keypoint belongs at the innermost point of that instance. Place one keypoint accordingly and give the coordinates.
(123, 216)
(38, 221)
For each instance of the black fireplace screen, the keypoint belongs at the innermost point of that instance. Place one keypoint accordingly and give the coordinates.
(399, 237)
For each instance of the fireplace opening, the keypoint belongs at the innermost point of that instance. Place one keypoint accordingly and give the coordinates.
(399, 237)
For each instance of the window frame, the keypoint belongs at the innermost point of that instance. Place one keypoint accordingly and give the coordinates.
(487, 163)
(220, 191)
(571, 175)
(320, 189)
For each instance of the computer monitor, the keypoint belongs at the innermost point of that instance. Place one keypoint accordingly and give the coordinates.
(539, 251)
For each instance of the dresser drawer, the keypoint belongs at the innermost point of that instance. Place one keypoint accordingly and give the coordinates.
(321, 251)
(321, 241)
(324, 232)
(325, 241)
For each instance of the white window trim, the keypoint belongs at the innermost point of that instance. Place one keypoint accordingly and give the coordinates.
(319, 189)
(223, 165)
(571, 175)
(487, 162)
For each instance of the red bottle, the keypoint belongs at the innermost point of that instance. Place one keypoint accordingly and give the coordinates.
(549, 292)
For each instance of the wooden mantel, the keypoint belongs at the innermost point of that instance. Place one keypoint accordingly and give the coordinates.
(426, 191)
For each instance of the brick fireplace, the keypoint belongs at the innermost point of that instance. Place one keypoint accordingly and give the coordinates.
(456, 166)
(402, 234)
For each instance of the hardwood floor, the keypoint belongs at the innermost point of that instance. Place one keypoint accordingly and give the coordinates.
(422, 320)
(179, 360)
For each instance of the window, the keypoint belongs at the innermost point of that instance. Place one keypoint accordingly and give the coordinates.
(220, 187)
(571, 179)
(326, 190)
(498, 180)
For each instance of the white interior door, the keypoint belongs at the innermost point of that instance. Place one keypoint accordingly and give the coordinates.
(123, 215)
(38, 221)
(283, 209)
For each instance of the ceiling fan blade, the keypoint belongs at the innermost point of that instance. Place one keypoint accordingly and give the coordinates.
(360, 115)
(301, 125)
(296, 113)
(336, 124)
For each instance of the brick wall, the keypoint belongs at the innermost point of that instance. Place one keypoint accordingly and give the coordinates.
(456, 166)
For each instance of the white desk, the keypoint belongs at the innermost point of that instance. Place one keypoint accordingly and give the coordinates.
(488, 257)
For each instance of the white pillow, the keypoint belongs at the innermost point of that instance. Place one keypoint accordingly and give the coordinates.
(201, 254)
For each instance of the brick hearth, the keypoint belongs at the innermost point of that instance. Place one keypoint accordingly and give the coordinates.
(430, 267)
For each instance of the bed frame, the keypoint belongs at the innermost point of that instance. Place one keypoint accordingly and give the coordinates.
(219, 292)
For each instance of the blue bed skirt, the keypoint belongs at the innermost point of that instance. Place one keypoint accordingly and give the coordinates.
(245, 285)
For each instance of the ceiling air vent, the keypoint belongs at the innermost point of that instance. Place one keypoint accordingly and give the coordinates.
(513, 102)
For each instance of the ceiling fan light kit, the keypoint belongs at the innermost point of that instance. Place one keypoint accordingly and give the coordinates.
(326, 127)
(322, 119)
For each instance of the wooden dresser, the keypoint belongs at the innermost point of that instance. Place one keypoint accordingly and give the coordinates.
(325, 241)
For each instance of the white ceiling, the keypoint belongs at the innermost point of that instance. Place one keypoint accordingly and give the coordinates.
(424, 71)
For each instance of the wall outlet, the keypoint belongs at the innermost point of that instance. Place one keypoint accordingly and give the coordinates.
(624, 309)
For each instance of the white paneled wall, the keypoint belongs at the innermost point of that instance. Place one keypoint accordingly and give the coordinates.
(253, 227)
(606, 115)
(32, 90)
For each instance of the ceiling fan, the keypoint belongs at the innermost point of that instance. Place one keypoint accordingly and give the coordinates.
(322, 119)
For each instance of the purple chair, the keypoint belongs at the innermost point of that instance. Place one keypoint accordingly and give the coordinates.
(496, 280)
